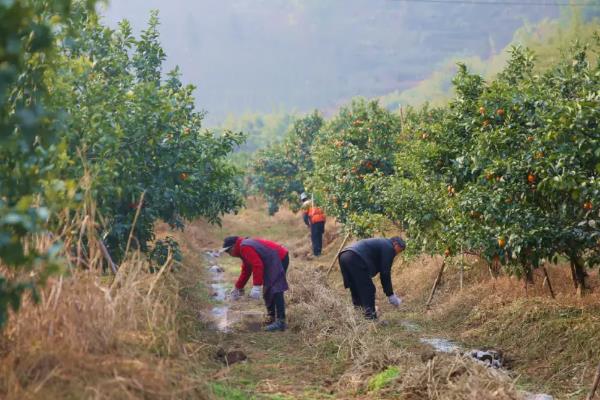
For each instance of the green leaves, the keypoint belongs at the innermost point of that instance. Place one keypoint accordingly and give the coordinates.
(80, 102)
(282, 170)
(352, 155)
(28, 137)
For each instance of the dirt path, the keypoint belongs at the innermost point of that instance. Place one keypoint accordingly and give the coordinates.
(249, 363)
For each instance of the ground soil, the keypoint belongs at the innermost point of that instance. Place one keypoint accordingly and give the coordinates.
(550, 346)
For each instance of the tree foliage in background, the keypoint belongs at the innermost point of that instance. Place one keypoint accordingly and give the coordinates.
(355, 148)
(280, 172)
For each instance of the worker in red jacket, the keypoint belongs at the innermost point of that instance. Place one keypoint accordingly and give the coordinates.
(267, 262)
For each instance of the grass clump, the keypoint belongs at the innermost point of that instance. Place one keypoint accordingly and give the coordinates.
(382, 379)
(223, 392)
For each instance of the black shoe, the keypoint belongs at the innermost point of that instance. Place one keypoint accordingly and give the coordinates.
(278, 325)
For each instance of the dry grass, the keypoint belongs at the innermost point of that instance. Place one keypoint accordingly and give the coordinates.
(453, 378)
(97, 336)
(554, 343)
(323, 316)
(89, 339)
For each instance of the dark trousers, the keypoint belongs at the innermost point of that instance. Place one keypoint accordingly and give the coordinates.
(277, 309)
(357, 279)
(316, 236)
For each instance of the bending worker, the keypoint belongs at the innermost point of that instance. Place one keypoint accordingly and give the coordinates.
(267, 262)
(364, 259)
(314, 217)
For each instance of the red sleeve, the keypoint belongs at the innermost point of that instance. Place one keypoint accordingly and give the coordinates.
(244, 275)
(252, 259)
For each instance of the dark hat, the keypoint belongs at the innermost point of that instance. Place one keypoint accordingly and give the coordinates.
(398, 239)
(229, 242)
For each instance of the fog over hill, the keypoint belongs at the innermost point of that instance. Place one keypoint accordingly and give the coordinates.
(262, 55)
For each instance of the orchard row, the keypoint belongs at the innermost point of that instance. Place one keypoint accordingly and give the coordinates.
(507, 170)
(91, 134)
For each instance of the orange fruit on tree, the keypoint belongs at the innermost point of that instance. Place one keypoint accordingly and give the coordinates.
(481, 110)
(587, 205)
(530, 138)
(501, 242)
(183, 176)
(500, 112)
(531, 178)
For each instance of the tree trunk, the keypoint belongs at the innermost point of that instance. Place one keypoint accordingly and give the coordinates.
(579, 274)
(528, 273)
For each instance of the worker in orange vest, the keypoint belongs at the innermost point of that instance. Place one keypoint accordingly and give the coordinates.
(314, 217)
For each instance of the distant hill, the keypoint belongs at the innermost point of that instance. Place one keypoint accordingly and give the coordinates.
(261, 56)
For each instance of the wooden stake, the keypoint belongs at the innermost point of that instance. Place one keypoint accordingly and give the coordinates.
(462, 268)
(436, 283)
(106, 255)
(135, 218)
(547, 279)
(595, 385)
(336, 255)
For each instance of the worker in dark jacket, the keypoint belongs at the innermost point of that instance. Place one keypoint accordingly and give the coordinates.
(364, 259)
(314, 218)
(265, 263)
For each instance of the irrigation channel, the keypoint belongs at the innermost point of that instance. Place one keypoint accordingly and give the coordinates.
(221, 316)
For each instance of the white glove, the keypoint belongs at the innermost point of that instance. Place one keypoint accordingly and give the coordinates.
(394, 300)
(236, 293)
(256, 292)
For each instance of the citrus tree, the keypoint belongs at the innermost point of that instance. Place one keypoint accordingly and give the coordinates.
(509, 169)
(280, 171)
(352, 150)
(137, 133)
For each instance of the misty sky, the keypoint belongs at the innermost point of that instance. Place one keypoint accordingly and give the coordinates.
(266, 55)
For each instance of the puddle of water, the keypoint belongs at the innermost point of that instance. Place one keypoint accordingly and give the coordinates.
(218, 292)
(213, 253)
(215, 269)
(410, 326)
(220, 318)
(442, 345)
(538, 396)
(490, 358)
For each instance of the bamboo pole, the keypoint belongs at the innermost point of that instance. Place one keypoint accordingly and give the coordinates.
(336, 255)
(547, 279)
(106, 255)
(436, 283)
(135, 218)
(462, 268)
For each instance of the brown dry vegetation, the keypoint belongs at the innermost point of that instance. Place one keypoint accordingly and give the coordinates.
(553, 343)
(91, 339)
(139, 335)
